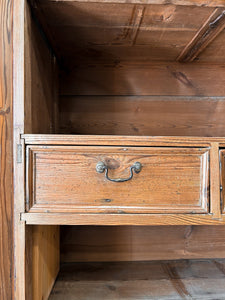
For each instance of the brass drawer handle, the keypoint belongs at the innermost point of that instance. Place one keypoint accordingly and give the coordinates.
(101, 167)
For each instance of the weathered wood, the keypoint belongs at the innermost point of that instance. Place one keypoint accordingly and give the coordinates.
(202, 279)
(206, 34)
(160, 79)
(145, 116)
(6, 160)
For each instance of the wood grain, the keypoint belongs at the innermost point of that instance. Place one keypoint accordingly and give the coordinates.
(120, 219)
(215, 206)
(20, 290)
(210, 3)
(147, 116)
(194, 279)
(147, 79)
(45, 260)
(205, 35)
(215, 50)
(180, 174)
(117, 33)
(40, 80)
(118, 140)
(6, 151)
(134, 243)
(222, 179)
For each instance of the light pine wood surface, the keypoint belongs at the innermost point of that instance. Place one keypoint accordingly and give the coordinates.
(45, 260)
(180, 173)
(6, 152)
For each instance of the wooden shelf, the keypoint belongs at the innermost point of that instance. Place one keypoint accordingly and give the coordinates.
(120, 219)
(117, 140)
(186, 279)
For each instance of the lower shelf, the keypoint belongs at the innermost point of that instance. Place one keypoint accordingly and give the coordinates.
(170, 280)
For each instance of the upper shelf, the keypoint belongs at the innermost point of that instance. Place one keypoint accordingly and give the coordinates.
(114, 32)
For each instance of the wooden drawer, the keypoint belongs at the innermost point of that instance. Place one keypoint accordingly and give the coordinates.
(64, 179)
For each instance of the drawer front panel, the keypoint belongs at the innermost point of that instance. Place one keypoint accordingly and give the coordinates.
(171, 180)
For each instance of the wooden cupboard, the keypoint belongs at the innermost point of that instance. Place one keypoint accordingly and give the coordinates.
(118, 122)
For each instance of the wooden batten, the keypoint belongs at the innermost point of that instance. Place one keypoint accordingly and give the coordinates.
(206, 34)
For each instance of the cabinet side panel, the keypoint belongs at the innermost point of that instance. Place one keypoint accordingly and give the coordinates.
(45, 260)
(6, 203)
(40, 80)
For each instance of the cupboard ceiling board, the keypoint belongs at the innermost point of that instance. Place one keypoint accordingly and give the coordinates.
(209, 3)
(117, 32)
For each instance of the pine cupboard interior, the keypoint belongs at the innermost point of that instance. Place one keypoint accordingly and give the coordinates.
(135, 70)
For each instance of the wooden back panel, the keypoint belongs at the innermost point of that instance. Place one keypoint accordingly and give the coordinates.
(133, 243)
(148, 115)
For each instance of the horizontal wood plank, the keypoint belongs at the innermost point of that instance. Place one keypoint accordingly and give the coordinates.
(134, 243)
(120, 219)
(145, 116)
(114, 140)
(168, 79)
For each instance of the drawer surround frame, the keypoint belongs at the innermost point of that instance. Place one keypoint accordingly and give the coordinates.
(197, 158)
(213, 217)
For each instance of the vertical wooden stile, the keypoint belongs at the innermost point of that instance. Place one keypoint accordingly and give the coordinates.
(215, 208)
(18, 129)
